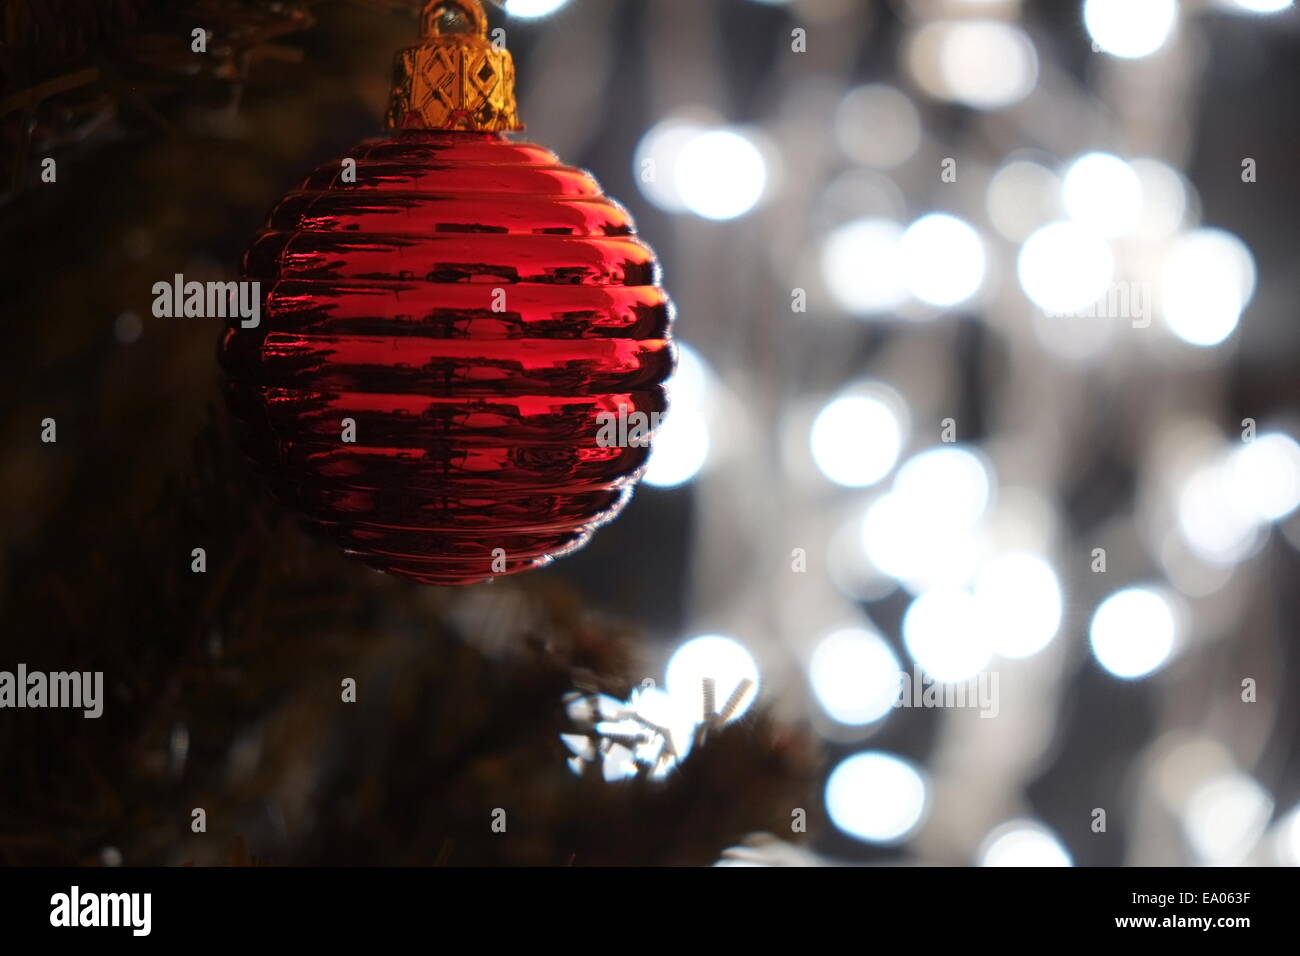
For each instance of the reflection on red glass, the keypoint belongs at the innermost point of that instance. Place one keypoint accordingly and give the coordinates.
(477, 309)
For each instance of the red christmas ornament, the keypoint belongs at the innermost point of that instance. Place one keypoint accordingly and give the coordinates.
(451, 323)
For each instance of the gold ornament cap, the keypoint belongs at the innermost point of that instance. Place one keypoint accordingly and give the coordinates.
(455, 78)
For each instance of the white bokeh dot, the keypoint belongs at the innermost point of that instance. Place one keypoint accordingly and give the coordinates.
(1130, 28)
(855, 440)
(876, 797)
(943, 259)
(1133, 632)
(855, 675)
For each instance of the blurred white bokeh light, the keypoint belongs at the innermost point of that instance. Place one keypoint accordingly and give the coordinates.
(946, 635)
(656, 161)
(855, 675)
(724, 660)
(903, 541)
(680, 449)
(1023, 843)
(1133, 632)
(1164, 199)
(1216, 523)
(943, 260)
(855, 440)
(1020, 602)
(985, 64)
(1264, 476)
(1064, 268)
(692, 382)
(922, 532)
(533, 8)
(862, 266)
(876, 797)
(1256, 6)
(1130, 28)
(1286, 839)
(1225, 817)
(1207, 279)
(1102, 192)
(720, 174)
(953, 481)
